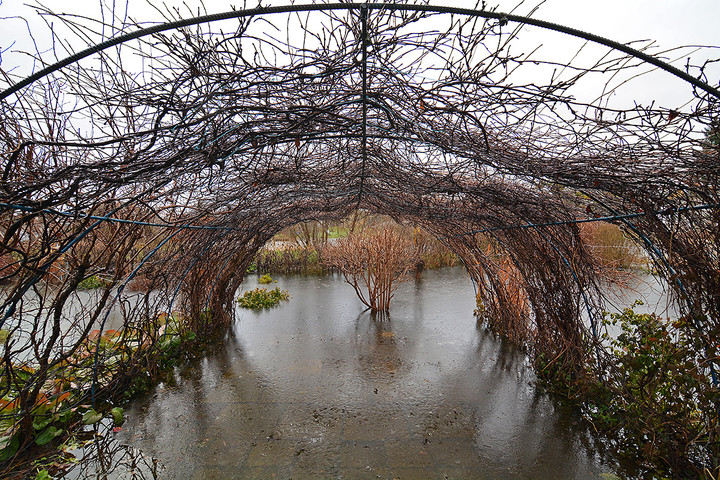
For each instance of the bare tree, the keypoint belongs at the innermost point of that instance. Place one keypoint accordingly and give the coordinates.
(374, 262)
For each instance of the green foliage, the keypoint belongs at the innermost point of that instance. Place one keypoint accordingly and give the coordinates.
(93, 282)
(314, 257)
(651, 393)
(290, 261)
(655, 395)
(558, 373)
(655, 366)
(140, 384)
(43, 474)
(4, 336)
(48, 435)
(172, 346)
(265, 279)
(118, 414)
(262, 298)
(91, 417)
(169, 342)
(337, 232)
(9, 445)
(57, 410)
(41, 422)
(49, 416)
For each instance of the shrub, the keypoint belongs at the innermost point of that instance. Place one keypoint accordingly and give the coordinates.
(61, 407)
(265, 279)
(290, 261)
(262, 298)
(374, 262)
(610, 245)
(93, 282)
(654, 394)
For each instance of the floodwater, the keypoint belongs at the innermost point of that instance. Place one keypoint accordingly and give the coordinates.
(77, 312)
(319, 388)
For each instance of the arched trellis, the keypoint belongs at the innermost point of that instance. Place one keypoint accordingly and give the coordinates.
(252, 143)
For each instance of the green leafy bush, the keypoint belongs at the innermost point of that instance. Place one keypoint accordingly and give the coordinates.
(263, 298)
(655, 394)
(93, 282)
(651, 393)
(265, 279)
(58, 411)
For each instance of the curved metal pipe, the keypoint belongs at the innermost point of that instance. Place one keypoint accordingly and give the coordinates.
(115, 299)
(503, 17)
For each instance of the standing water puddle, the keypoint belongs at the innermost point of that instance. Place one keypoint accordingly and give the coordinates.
(319, 388)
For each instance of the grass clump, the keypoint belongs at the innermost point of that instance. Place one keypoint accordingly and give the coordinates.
(263, 298)
(611, 246)
(265, 279)
(291, 260)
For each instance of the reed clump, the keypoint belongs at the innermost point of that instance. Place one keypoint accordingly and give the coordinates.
(290, 259)
(302, 250)
(611, 246)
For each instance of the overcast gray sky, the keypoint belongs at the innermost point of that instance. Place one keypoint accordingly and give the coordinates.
(669, 23)
(673, 22)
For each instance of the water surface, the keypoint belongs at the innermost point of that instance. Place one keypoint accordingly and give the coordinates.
(319, 388)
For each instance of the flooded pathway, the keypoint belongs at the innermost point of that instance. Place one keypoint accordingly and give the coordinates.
(318, 388)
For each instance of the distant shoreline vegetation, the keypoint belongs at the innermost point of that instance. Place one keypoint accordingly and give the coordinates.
(302, 249)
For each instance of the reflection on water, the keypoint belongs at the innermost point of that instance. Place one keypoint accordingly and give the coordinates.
(104, 457)
(78, 311)
(653, 293)
(319, 388)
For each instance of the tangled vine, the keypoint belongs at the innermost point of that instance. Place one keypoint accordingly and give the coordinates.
(158, 166)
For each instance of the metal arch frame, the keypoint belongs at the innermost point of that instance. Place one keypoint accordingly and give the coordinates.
(187, 271)
(108, 307)
(502, 17)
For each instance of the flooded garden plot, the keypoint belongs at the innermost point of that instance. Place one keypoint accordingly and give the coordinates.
(317, 387)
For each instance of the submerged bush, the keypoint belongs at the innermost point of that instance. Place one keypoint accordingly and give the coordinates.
(374, 263)
(657, 393)
(93, 282)
(263, 298)
(265, 279)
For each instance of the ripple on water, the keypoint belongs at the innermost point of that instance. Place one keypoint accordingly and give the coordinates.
(317, 387)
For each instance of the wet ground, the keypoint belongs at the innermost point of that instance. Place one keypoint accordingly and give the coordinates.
(318, 388)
